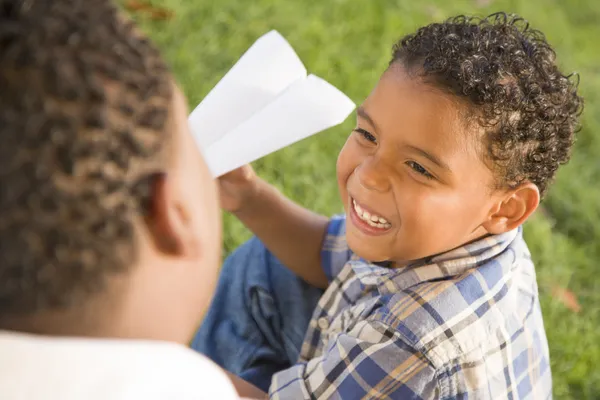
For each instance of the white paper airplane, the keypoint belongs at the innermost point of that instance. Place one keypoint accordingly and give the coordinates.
(264, 103)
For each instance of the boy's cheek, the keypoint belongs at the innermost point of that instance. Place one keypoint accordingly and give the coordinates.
(348, 159)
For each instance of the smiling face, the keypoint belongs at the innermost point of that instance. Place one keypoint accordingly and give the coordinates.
(411, 176)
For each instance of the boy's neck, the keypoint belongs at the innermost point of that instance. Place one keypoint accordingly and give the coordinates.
(393, 264)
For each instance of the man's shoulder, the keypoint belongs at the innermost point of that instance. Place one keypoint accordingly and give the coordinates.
(107, 369)
(174, 370)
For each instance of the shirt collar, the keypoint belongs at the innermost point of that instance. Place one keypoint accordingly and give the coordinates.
(493, 248)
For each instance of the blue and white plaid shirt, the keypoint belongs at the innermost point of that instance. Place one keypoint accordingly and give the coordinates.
(466, 324)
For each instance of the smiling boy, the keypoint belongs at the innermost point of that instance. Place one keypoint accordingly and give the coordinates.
(425, 287)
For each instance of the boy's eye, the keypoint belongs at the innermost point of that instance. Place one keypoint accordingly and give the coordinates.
(368, 136)
(418, 168)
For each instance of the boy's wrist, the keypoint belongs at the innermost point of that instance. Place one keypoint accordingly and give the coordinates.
(256, 197)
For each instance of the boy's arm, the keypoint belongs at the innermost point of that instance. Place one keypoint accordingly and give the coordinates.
(291, 232)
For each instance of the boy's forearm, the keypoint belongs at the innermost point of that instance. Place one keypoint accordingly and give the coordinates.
(291, 232)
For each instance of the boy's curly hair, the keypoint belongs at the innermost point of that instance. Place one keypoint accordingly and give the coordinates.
(84, 107)
(507, 72)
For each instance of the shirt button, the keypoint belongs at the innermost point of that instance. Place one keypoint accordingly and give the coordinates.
(323, 323)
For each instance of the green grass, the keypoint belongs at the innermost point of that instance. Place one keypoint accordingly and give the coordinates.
(348, 43)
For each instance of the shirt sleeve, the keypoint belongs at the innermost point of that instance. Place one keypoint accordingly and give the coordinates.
(376, 363)
(335, 252)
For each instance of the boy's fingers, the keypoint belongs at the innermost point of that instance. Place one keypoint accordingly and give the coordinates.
(247, 171)
(242, 173)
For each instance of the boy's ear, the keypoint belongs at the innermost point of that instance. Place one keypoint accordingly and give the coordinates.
(168, 222)
(514, 209)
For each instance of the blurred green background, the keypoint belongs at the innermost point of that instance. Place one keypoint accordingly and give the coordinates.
(347, 42)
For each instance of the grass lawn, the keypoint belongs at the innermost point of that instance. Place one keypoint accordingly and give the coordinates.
(348, 43)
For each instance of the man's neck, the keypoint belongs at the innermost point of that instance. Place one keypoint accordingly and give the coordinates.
(71, 322)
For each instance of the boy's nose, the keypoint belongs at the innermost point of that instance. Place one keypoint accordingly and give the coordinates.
(373, 175)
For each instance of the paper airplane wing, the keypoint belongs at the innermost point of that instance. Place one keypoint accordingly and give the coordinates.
(267, 68)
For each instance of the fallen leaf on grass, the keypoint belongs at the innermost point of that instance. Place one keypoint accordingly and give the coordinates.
(154, 12)
(434, 12)
(483, 3)
(567, 297)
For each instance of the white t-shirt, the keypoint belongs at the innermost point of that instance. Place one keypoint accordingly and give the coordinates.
(40, 367)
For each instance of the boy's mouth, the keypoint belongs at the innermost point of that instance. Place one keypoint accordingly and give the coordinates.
(367, 221)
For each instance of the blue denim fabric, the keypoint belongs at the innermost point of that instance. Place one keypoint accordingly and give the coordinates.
(258, 318)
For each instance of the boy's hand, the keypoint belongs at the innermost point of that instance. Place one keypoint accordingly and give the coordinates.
(237, 187)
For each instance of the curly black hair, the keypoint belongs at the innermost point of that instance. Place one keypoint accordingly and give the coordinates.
(507, 74)
(84, 111)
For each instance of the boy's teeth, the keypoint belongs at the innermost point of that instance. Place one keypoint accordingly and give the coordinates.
(371, 219)
(358, 209)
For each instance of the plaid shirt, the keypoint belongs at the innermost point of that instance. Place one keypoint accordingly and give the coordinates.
(466, 324)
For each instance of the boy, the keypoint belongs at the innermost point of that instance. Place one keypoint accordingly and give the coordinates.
(109, 232)
(425, 288)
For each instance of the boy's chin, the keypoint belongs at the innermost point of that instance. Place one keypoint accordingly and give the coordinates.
(366, 249)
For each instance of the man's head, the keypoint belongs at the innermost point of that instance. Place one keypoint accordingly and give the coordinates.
(109, 215)
(460, 138)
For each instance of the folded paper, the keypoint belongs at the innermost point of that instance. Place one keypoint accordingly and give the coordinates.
(264, 103)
